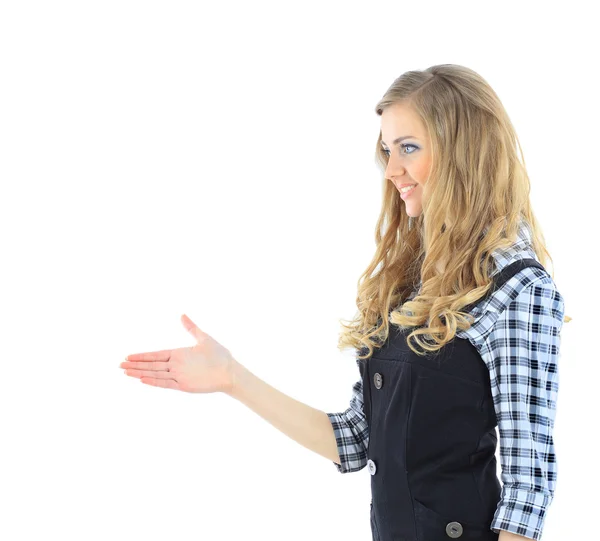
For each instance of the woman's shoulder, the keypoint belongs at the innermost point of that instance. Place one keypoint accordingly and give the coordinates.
(525, 290)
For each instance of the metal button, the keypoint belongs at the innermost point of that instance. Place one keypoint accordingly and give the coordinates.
(378, 379)
(371, 467)
(454, 529)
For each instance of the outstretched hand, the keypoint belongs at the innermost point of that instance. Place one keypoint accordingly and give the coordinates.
(206, 367)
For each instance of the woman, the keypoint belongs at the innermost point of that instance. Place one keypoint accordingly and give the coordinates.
(474, 339)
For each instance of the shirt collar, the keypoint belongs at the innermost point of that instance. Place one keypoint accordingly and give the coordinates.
(505, 256)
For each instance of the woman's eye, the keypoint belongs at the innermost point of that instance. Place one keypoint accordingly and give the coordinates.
(404, 145)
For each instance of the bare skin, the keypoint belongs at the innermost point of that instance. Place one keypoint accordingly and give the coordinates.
(209, 367)
(409, 160)
(206, 367)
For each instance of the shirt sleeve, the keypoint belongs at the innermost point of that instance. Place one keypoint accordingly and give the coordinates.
(522, 351)
(351, 433)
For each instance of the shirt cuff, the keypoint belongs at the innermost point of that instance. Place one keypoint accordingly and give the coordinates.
(352, 455)
(521, 512)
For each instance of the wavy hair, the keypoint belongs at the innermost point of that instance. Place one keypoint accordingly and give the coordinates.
(474, 200)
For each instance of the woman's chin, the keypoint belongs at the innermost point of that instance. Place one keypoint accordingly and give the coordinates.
(413, 211)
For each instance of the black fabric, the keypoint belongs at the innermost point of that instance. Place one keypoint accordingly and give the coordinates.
(432, 438)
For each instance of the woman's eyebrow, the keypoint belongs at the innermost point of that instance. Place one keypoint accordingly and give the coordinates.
(396, 141)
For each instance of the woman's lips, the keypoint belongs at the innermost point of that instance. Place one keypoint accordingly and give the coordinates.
(408, 193)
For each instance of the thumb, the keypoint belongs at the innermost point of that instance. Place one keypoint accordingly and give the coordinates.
(192, 328)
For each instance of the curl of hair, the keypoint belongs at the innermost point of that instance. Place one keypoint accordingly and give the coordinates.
(474, 200)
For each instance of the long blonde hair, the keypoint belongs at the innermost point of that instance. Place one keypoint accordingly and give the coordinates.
(474, 200)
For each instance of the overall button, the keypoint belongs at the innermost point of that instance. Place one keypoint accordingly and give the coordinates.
(454, 529)
(372, 469)
(378, 379)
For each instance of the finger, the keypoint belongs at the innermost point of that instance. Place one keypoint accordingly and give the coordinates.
(161, 355)
(192, 328)
(148, 374)
(146, 365)
(165, 383)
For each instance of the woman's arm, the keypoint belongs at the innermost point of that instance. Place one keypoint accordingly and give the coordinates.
(307, 426)
(508, 536)
(522, 353)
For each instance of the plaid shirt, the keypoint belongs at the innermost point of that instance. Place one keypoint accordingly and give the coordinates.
(517, 332)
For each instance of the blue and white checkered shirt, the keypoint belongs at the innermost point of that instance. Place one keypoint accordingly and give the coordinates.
(518, 337)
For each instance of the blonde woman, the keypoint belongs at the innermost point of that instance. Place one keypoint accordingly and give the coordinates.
(457, 331)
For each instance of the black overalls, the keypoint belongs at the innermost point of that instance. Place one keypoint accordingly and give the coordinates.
(432, 438)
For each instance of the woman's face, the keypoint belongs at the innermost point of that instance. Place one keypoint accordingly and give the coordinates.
(409, 158)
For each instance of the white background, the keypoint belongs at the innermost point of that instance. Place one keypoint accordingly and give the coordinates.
(161, 158)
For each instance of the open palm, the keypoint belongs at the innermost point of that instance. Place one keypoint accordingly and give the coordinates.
(206, 367)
